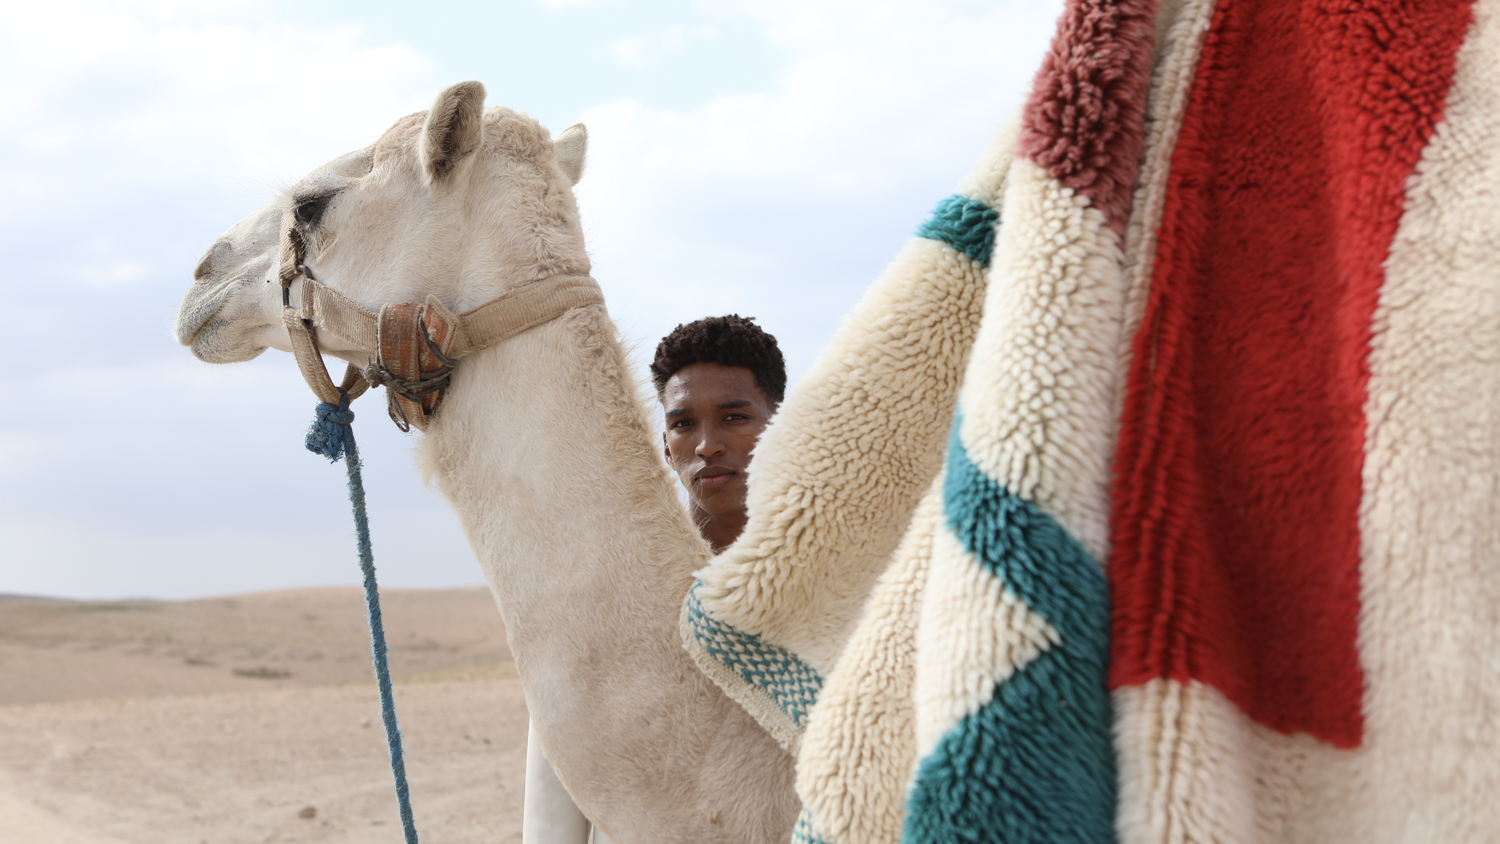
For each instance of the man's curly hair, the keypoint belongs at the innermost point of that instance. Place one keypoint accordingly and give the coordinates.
(730, 340)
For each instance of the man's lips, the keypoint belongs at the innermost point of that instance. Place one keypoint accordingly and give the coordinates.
(715, 477)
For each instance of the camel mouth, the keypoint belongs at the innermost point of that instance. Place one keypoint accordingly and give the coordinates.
(199, 324)
(202, 303)
(220, 320)
(213, 342)
(190, 324)
(214, 304)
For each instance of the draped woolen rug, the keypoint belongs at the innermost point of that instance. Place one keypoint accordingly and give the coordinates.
(1153, 494)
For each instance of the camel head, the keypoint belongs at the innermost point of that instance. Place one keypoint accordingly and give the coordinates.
(460, 202)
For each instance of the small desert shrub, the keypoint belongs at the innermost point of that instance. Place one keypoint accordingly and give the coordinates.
(263, 672)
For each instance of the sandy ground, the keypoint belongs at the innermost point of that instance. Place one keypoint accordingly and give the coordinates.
(255, 719)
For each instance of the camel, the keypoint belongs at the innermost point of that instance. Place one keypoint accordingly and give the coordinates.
(541, 445)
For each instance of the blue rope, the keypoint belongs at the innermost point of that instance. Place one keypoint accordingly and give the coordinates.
(332, 435)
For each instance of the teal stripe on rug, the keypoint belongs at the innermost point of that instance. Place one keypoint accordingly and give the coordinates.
(967, 225)
(803, 832)
(792, 684)
(1036, 763)
(1035, 556)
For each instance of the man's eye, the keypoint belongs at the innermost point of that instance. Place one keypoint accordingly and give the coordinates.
(681, 423)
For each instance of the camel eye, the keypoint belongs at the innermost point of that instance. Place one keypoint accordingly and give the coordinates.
(309, 212)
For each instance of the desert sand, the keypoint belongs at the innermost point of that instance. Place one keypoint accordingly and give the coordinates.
(254, 718)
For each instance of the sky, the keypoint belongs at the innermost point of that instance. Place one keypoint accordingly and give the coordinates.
(765, 157)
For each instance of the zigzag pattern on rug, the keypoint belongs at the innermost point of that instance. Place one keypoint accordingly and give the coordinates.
(790, 683)
(1033, 761)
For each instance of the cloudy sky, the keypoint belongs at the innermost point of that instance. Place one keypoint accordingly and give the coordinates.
(763, 157)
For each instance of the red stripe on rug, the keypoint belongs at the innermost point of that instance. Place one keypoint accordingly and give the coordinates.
(1235, 524)
(1084, 119)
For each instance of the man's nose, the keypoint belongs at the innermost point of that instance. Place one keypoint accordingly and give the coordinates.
(710, 444)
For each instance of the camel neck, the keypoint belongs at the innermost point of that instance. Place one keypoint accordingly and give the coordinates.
(544, 450)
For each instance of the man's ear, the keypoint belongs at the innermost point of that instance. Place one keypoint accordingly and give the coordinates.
(666, 447)
(454, 128)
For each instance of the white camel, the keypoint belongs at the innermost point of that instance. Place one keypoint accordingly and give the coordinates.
(541, 445)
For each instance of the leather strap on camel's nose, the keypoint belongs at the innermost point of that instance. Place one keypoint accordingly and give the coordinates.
(416, 345)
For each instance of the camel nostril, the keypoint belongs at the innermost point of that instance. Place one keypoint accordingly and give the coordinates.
(213, 256)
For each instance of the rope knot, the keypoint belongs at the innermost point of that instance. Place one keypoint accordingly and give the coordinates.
(332, 434)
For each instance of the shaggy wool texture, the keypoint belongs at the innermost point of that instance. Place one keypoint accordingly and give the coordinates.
(1209, 549)
(849, 454)
(1305, 523)
(1013, 719)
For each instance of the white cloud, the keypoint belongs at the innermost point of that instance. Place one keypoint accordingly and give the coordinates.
(152, 92)
(879, 110)
(630, 50)
(101, 260)
(867, 96)
(641, 50)
(26, 450)
(677, 37)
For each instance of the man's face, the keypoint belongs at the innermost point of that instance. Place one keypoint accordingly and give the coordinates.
(715, 413)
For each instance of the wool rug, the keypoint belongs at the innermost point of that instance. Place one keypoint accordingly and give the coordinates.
(1172, 513)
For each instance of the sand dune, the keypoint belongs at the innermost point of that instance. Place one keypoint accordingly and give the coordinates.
(230, 720)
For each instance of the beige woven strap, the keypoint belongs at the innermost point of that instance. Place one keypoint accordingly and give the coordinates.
(309, 360)
(520, 309)
(325, 309)
(341, 316)
(305, 340)
(512, 312)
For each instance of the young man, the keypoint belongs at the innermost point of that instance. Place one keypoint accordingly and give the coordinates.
(719, 380)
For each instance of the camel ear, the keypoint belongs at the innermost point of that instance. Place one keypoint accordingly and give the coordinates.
(569, 147)
(454, 128)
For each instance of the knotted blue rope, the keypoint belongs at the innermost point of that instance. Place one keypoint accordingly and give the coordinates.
(332, 435)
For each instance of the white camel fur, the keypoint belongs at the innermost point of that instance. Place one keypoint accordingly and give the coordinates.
(543, 448)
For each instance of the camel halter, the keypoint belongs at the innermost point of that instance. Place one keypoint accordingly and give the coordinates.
(416, 348)
(417, 345)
